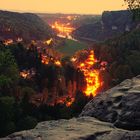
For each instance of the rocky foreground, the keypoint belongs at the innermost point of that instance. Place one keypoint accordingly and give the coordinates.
(119, 105)
(112, 115)
(85, 128)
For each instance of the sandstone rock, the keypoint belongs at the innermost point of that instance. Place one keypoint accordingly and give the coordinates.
(119, 105)
(84, 128)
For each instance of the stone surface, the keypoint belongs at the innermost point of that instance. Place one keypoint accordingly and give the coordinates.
(119, 105)
(84, 128)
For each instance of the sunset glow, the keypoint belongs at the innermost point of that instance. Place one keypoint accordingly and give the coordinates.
(63, 6)
(62, 29)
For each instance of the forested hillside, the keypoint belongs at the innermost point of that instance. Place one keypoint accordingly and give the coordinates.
(27, 26)
(112, 24)
(123, 56)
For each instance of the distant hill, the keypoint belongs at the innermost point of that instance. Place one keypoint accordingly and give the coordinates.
(75, 20)
(85, 19)
(28, 26)
(112, 24)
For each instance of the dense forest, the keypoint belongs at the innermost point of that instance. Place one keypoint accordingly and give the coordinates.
(19, 107)
(123, 56)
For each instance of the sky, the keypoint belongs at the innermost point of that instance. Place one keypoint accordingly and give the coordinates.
(63, 6)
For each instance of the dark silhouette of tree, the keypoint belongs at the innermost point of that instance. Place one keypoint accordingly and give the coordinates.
(9, 74)
(26, 123)
(79, 103)
(134, 6)
(7, 115)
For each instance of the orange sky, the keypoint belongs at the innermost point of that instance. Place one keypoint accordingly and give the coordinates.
(63, 6)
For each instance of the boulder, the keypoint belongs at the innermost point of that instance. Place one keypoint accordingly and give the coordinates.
(83, 128)
(119, 105)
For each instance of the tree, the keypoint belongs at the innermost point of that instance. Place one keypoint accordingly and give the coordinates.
(134, 6)
(6, 115)
(5, 83)
(133, 61)
(120, 71)
(27, 123)
(80, 101)
(9, 74)
(26, 105)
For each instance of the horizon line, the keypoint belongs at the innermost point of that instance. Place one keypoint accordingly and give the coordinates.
(47, 12)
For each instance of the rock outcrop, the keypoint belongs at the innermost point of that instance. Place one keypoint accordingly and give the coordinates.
(111, 115)
(112, 24)
(84, 128)
(119, 105)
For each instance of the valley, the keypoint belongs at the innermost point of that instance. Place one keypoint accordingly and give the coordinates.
(52, 65)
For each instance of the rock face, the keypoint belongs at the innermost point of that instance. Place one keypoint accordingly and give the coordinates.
(119, 105)
(112, 24)
(84, 128)
(118, 20)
